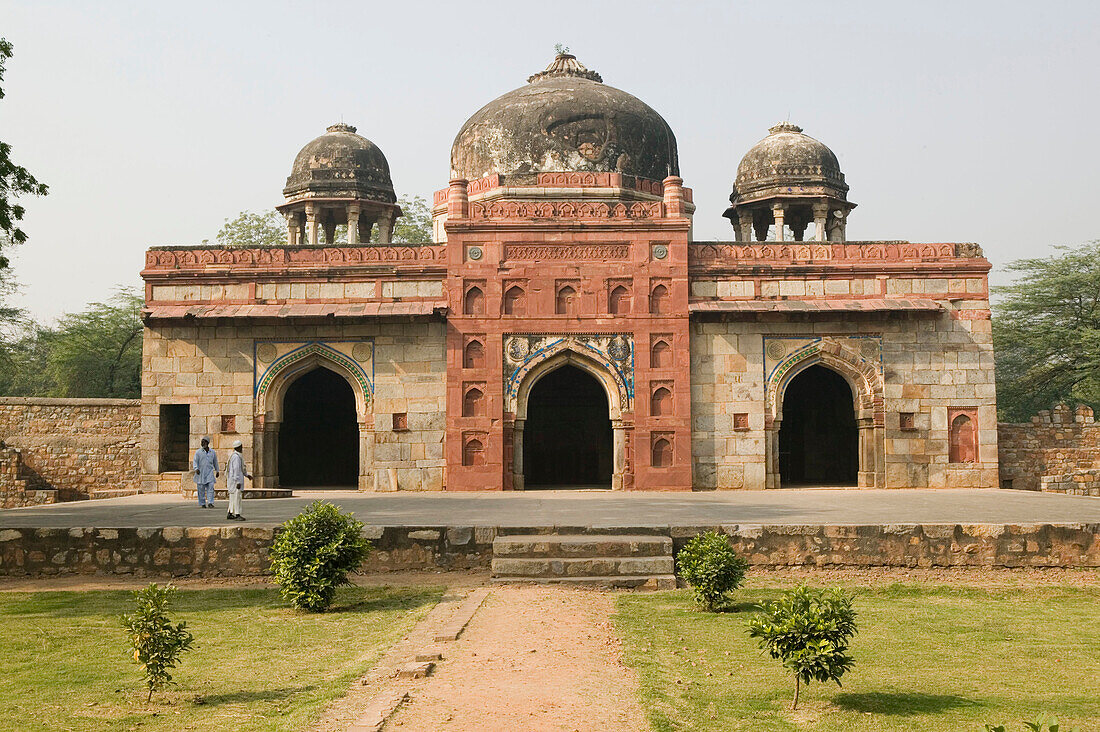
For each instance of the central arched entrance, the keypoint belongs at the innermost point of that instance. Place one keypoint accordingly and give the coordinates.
(818, 438)
(567, 440)
(319, 435)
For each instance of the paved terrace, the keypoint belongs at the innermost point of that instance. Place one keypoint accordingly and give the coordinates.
(588, 508)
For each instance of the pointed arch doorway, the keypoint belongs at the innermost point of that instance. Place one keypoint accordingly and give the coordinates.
(318, 443)
(819, 435)
(567, 437)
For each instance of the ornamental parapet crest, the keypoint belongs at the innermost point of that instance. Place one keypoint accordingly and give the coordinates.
(198, 258)
(718, 253)
(565, 210)
(541, 252)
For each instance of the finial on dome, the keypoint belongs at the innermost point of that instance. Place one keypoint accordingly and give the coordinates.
(565, 64)
(340, 127)
(783, 127)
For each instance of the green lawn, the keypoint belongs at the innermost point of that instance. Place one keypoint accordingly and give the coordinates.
(927, 658)
(257, 665)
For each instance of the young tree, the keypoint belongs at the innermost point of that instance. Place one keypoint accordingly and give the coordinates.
(1046, 332)
(808, 630)
(15, 180)
(157, 643)
(97, 352)
(415, 224)
(253, 230)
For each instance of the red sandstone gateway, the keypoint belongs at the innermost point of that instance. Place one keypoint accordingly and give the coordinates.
(563, 330)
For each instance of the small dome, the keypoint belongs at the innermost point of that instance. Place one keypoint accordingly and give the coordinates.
(340, 164)
(784, 159)
(564, 120)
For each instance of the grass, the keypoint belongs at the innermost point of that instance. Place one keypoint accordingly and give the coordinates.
(928, 658)
(257, 665)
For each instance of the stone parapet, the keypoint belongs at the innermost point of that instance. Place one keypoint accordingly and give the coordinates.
(1055, 443)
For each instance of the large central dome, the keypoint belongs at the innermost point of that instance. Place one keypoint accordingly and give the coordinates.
(565, 119)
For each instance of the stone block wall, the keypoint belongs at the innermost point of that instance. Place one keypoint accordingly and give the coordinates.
(1056, 443)
(76, 447)
(928, 364)
(214, 368)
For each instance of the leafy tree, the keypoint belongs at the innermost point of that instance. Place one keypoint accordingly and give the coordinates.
(808, 630)
(712, 568)
(1046, 331)
(415, 224)
(97, 352)
(157, 643)
(15, 180)
(314, 553)
(253, 230)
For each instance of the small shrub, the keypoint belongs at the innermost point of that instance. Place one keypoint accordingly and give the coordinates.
(314, 554)
(157, 643)
(713, 569)
(808, 630)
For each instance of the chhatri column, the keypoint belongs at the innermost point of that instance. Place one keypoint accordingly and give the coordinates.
(744, 228)
(311, 225)
(821, 217)
(353, 224)
(293, 229)
(778, 212)
(517, 456)
(385, 228)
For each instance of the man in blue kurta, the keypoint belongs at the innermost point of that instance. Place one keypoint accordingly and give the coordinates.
(205, 466)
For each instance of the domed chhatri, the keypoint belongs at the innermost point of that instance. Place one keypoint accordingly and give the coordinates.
(339, 178)
(565, 119)
(789, 179)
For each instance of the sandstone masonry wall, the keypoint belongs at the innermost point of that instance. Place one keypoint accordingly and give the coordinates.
(929, 365)
(76, 447)
(1057, 443)
(244, 551)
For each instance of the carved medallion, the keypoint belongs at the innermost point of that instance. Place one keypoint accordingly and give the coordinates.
(869, 348)
(618, 348)
(518, 348)
(474, 253)
(266, 353)
(660, 251)
(776, 349)
(362, 351)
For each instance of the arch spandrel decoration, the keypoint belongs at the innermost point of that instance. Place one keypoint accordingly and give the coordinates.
(857, 358)
(608, 357)
(277, 364)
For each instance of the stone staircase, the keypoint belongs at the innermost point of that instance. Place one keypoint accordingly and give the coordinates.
(637, 560)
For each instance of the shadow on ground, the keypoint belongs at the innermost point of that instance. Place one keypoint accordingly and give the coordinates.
(249, 697)
(902, 703)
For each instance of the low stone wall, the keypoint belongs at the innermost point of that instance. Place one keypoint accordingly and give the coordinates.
(1056, 442)
(1077, 483)
(243, 551)
(13, 486)
(72, 446)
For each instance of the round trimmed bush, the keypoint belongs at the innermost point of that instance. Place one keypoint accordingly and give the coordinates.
(314, 553)
(713, 569)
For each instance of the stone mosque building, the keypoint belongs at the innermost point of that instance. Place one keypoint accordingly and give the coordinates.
(565, 330)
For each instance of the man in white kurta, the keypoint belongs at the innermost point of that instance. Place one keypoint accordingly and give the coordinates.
(205, 465)
(235, 473)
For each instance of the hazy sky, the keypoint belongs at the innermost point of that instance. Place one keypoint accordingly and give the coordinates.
(152, 122)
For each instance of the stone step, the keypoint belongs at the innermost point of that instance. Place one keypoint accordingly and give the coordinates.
(571, 546)
(113, 492)
(250, 494)
(645, 582)
(557, 567)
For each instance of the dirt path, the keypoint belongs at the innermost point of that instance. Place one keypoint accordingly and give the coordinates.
(533, 658)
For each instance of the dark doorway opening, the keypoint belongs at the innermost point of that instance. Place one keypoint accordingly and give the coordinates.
(818, 438)
(567, 440)
(319, 435)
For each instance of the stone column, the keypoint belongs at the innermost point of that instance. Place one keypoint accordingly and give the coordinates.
(311, 225)
(385, 228)
(618, 454)
(744, 229)
(771, 455)
(674, 196)
(353, 224)
(821, 216)
(865, 422)
(266, 454)
(778, 212)
(366, 455)
(517, 456)
(292, 229)
(330, 232)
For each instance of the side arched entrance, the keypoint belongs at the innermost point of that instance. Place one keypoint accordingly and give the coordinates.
(315, 429)
(824, 420)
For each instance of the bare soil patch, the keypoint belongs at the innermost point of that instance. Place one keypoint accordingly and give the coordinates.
(533, 658)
